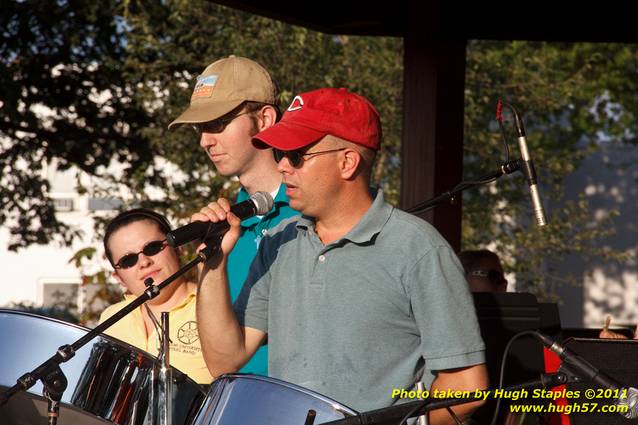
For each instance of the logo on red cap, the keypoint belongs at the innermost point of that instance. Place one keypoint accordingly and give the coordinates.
(296, 104)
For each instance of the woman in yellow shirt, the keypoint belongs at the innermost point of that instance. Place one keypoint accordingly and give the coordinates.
(135, 244)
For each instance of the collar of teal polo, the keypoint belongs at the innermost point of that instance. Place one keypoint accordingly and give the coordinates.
(370, 224)
(280, 199)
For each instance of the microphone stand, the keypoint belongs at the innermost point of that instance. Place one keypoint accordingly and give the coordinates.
(162, 388)
(394, 414)
(505, 168)
(49, 371)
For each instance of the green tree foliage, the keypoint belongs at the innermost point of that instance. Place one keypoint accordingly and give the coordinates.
(63, 98)
(573, 98)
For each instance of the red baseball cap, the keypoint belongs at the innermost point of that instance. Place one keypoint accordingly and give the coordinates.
(315, 114)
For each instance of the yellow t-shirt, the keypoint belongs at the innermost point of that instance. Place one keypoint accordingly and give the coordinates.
(186, 351)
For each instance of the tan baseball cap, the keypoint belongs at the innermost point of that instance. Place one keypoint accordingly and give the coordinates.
(223, 86)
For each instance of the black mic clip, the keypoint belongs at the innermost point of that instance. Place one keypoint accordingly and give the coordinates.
(511, 166)
(561, 377)
(569, 376)
(151, 290)
(212, 245)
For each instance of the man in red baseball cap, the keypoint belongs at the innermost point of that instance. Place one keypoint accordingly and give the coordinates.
(335, 123)
(319, 113)
(356, 298)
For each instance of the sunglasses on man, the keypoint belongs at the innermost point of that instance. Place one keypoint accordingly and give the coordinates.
(297, 157)
(216, 126)
(150, 249)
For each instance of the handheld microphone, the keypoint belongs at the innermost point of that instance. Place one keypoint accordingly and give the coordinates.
(586, 370)
(258, 204)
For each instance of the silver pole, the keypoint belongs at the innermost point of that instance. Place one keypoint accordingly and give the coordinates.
(421, 420)
(165, 381)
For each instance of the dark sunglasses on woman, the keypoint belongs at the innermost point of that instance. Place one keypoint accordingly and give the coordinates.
(150, 249)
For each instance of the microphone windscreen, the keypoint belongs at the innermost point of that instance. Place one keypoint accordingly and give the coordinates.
(263, 201)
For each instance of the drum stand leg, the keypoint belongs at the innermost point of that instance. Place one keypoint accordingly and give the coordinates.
(310, 418)
(53, 411)
(54, 385)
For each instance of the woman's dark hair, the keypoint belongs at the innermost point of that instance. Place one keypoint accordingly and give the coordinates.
(131, 216)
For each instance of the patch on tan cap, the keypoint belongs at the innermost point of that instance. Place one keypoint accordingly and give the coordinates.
(204, 87)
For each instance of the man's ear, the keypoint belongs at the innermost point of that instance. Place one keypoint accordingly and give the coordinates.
(351, 164)
(268, 117)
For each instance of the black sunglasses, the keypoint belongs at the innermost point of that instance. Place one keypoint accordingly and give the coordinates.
(216, 126)
(150, 249)
(493, 275)
(296, 157)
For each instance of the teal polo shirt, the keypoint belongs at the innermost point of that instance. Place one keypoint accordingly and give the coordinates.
(252, 231)
(385, 306)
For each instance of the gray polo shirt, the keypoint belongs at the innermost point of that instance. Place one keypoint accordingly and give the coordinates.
(384, 307)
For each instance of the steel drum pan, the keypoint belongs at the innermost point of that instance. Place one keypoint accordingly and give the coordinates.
(109, 381)
(237, 399)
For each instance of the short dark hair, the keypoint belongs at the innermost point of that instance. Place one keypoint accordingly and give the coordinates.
(131, 216)
(470, 259)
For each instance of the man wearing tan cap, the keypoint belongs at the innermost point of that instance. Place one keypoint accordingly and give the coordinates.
(358, 300)
(234, 99)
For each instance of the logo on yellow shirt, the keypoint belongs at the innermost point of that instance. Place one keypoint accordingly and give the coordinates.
(187, 333)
